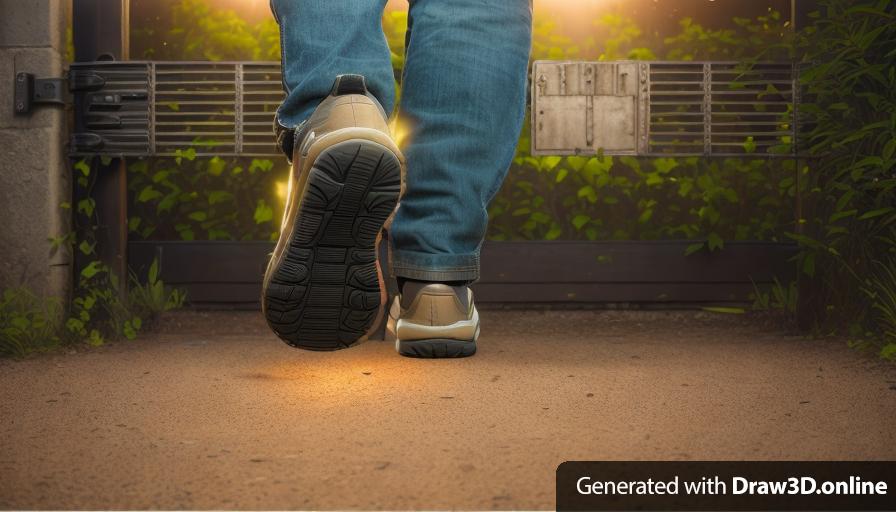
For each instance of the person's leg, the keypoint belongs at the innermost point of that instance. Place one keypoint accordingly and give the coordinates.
(323, 288)
(463, 101)
(320, 40)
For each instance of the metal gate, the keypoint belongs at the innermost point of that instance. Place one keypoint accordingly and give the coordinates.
(640, 108)
(710, 109)
(578, 108)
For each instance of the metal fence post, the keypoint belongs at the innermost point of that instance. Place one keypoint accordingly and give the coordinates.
(101, 32)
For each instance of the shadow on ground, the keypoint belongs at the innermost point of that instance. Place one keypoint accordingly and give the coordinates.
(214, 412)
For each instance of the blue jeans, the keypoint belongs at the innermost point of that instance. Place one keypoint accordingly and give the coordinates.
(463, 101)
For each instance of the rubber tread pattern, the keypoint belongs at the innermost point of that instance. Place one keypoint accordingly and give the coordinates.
(325, 292)
(437, 348)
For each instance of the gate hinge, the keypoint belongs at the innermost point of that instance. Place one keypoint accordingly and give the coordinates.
(31, 91)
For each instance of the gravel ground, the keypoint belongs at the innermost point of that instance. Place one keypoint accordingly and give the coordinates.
(212, 411)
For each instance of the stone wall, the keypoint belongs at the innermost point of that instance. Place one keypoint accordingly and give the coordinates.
(34, 169)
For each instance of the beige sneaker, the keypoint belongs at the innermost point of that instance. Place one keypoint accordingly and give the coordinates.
(434, 320)
(323, 288)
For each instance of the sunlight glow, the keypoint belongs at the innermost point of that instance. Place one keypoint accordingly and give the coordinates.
(400, 131)
(282, 187)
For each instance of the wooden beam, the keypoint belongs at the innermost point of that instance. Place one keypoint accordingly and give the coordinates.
(230, 273)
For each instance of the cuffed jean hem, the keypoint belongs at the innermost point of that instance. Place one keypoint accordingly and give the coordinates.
(434, 267)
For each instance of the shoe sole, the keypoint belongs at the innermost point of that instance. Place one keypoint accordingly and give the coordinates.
(325, 291)
(436, 348)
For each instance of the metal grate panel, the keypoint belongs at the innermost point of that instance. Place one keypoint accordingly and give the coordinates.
(675, 108)
(622, 108)
(261, 93)
(216, 108)
(117, 119)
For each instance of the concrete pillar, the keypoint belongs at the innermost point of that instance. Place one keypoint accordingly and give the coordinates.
(34, 169)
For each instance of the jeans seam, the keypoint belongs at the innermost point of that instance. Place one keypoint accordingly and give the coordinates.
(470, 268)
(282, 52)
(448, 268)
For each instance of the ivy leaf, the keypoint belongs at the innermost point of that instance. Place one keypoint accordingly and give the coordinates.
(576, 162)
(588, 192)
(580, 220)
(889, 149)
(86, 247)
(139, 166)
(87, 206)
(260, 165)
(219, 196)
(665, 165)
(694, 248)
(263, 212)
(92, 269)
(148, 194)
(83, 166)
(876, 213)
(198, 216)
(160, 176)
(128, 330)
(888, 352)
(540, 217)
(95, 339)
(554, 233)
(216, 166)
(549, 162)
(187, 234)
(715, 242)
(153, 273)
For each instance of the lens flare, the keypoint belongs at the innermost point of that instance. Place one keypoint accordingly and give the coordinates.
(282, 188)
(401, 131)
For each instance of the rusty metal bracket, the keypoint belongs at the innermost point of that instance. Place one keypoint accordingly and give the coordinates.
(30, 91)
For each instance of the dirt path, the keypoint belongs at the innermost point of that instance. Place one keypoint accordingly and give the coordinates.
(214, 412)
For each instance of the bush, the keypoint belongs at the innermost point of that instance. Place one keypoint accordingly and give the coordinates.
(28, 323)
(848, 241)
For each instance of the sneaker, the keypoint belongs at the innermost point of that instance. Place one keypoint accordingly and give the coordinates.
(323, 288)
(434, 320)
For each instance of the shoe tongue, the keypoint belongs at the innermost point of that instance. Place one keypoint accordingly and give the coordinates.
(410, 290)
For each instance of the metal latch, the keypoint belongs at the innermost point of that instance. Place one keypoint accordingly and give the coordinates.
(31, 91)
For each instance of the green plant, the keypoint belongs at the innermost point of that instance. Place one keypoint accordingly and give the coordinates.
(152, 297)
(849, 78)
(626, 198)
(102, 307)
(881, 291)
(777, 298)
(768, 36)
(197, 30)
(543, 198)
(28, 323)
(189, 198)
